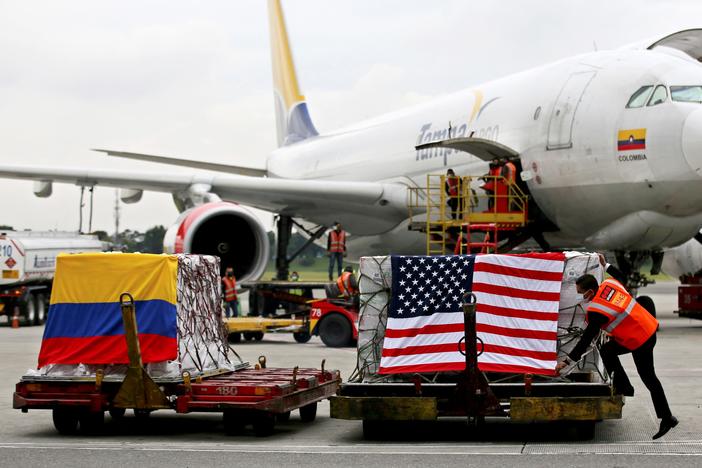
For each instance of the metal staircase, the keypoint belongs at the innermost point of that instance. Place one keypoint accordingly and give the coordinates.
(479, 221)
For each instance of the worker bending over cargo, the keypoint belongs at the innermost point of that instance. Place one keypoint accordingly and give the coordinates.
(632, 329)
(231, 300)
(348, 286)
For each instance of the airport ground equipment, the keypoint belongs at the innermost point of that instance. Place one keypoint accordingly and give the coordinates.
(474, 395)
(335, 321)
(303, 308)
(27, 262)
(481, 220)
(254, 328)
(690, 297)
(244, 395)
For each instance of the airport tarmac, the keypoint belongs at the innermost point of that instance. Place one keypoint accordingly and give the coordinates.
(189, 440)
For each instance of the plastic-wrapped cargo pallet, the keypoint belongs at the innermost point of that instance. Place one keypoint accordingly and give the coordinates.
(178, 308)
(375, 288)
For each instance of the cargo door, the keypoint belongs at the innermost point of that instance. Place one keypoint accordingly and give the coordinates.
(560, 127)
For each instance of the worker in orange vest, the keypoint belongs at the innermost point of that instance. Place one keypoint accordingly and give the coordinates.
(336, 249)
(632, 329)
(491, 180)
(452, 186)
(348, 286)
(508, 171)
(231, 300)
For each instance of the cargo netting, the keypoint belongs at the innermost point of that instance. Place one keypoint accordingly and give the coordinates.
(201, 332)
(375, 286)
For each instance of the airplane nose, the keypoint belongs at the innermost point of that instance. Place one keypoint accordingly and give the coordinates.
(692, 141)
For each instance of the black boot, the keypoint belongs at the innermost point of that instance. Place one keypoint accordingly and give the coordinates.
(666, 425)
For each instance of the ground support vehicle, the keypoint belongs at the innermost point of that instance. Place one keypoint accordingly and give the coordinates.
(27, 263)
(253, 328)
(470, 394)
(245, 395)
(282, 298)
(291, 306)
(335, 321)
(690, 297)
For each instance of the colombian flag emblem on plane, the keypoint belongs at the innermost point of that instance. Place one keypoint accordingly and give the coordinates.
(629, 140)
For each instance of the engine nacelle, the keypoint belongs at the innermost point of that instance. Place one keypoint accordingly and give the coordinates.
(226, 230)
(683, 260)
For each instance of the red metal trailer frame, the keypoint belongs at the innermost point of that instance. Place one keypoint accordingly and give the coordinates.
(244, 396)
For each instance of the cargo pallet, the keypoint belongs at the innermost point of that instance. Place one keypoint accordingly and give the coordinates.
(245, 395)
(470, 395)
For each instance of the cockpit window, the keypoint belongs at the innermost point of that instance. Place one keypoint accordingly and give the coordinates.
(686, 93)
(659, 96)
(639, 98)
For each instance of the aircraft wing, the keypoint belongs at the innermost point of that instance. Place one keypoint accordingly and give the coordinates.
(227, 168)
(486, 150)
(370, 207)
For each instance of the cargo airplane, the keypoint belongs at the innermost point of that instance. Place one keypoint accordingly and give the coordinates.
(609, 145)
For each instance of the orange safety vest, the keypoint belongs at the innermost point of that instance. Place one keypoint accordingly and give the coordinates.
(452, 182)
(490, 184)
(337, 241)
(627, 322)
(344, 285)
(510, 173)
(229, 288)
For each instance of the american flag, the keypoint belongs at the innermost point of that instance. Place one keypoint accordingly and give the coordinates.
(516, 316)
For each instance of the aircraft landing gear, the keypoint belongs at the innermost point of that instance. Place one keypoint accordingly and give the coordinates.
(284, 226)
(630, 263)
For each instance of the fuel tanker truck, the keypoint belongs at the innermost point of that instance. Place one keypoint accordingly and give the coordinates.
(27, 264)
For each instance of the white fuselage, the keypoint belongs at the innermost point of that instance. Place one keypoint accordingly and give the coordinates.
(564, 120)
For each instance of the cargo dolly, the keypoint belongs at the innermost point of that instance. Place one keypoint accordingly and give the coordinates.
(245, 395)
(470, 395)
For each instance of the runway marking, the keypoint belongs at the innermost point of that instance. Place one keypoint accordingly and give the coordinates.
(367, 449)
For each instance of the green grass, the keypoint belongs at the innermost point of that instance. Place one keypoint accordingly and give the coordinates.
(318, 271)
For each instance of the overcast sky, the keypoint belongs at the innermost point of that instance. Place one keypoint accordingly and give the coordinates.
(192, 79)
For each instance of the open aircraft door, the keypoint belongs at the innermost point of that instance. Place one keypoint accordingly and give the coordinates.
(560, 127)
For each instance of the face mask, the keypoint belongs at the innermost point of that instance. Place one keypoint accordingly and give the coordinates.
(230, 274)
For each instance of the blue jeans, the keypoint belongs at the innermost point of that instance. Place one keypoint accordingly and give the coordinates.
(337, 257)
(232, 306)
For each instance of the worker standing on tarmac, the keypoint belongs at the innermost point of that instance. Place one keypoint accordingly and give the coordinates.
(632, 330)
(348, 286)
(452, 186)
(230, 298)
(336, 249)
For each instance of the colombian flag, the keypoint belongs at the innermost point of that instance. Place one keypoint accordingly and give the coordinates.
(85, 318)
(629, 140)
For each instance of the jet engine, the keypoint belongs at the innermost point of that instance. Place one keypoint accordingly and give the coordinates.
(227, 230)
(685, 259)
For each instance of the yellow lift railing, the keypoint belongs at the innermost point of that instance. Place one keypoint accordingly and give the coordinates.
(447, 216)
